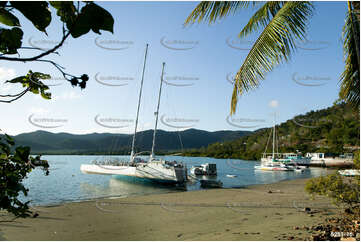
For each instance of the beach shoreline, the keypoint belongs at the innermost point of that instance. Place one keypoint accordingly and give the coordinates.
(256, 212)
(167, 192)
(164, 192)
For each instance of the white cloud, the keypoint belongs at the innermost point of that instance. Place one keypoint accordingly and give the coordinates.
(38, 110)
(273, 104)
(147, 125)
(6, 74)
(64, 96)
(67, 96)
(5, 87)
(142, 126)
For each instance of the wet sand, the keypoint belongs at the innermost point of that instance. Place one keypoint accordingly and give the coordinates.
(259, 212)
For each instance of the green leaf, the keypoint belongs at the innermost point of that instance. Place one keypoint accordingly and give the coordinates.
(3, 156)
(19, 79)
(213, 10)
(10, 40)
(32, 81)
(92, 17)
(80, 27)
(40, 75)
(57, 4)
(65, 10)
(22, 152)
(37, 12)
(350, 78)
(274, 46)
(34, 90)
(45, 95)
(8, 18)
(101, 20)
(20, 187)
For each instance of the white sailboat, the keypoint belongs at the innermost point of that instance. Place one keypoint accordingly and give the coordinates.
(272, 163)
(158, 170)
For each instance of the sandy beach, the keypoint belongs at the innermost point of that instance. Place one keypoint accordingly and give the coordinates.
(259, 212)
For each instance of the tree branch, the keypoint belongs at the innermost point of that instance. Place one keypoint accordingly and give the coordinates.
(36, 48)
(38, 56)
(17, 96)
(57, 66)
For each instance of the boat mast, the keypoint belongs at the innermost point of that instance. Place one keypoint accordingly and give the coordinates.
(139, 99)
(274, 131)
(157, 113)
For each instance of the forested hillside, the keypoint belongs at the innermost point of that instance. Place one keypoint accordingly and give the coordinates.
(43, 142)
(335, 130)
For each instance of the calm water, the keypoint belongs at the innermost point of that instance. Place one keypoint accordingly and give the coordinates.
(66, 183)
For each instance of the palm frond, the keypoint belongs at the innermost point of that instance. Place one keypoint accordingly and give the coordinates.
(211, 11)
(273, 47)
(262, 17)
(350, 78)
(356, 9)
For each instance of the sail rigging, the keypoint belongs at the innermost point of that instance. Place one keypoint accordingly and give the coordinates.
(158, 170)
(157, 112)
(139, 101)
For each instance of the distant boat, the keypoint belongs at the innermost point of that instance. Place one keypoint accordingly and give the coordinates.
(204, 169)
(231, 176)
(274, 167)
(272, 163)
(299, 169)
(350, 172)
(158, 170)
(293, 159)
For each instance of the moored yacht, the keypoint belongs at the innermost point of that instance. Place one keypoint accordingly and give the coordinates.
(288, 158)
(273, 166)
(154, 169)
(274, 161)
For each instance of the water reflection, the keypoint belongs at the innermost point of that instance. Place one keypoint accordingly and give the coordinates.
(126, 186)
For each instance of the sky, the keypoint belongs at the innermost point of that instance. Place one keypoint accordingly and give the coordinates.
(200, 62)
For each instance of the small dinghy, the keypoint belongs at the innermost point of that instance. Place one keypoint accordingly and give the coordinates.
(299, 169)
(231, 176)
(350, 172)
(204, 169)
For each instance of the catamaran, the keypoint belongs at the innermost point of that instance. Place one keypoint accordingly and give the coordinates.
(154, 169)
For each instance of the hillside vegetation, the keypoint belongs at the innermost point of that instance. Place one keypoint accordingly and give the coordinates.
(332, 130)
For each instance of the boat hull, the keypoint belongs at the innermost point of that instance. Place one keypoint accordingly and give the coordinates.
(265, 168)
(297, 161)
(151, 172)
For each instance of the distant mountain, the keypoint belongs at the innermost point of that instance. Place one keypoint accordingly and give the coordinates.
(43, 142)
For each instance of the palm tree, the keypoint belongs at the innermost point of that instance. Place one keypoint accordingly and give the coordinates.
(283, 24)
(350, 78)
